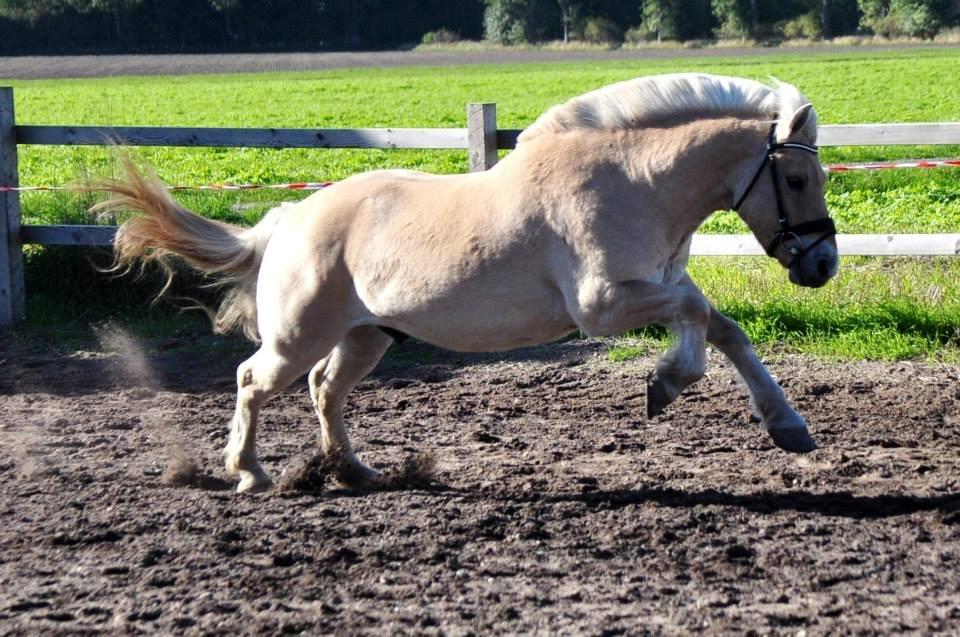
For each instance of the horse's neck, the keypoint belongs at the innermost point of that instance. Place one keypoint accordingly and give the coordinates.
(684, 172)
(699, 165)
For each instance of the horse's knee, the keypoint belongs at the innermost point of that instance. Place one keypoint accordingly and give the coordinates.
(692, 309)
(683, 365)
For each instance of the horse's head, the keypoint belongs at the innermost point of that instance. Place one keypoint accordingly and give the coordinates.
(782, 201)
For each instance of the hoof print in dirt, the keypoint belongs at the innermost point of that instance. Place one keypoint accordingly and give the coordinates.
(739, 554)
(485, 437)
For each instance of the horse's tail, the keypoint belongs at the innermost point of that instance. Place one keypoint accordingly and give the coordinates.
(163, 227)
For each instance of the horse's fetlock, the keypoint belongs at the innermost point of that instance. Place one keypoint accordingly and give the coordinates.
(682, 367)
(232, 462)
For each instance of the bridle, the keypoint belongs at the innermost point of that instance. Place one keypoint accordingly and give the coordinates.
(788, 232)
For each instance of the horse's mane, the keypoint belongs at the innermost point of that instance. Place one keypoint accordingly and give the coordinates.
(648, 100)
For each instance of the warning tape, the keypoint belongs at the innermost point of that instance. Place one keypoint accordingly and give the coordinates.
(304, 185)
(320, 185)
(928, 163)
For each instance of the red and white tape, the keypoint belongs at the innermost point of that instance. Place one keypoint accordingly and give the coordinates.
(303, 185)
(923, 163)
(320, 185)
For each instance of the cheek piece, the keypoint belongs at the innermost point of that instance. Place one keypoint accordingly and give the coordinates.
(788, 233)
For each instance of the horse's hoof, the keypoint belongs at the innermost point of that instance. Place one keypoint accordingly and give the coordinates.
(356, 475)
(657, 395)
(254, 482)
(794, 439)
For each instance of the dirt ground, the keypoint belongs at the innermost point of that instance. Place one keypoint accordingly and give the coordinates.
(66, 66)
(556, 507)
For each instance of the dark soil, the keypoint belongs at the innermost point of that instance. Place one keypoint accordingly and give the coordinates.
(65, 66)
(552, 505)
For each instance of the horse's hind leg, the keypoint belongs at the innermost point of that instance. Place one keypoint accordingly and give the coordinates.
(268, 371)
(330, 381)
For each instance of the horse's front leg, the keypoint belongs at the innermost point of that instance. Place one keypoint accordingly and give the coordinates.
(787, 428)
(613, 309)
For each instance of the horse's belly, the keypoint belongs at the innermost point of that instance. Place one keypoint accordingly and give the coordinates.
(488, 336)
(484, 316)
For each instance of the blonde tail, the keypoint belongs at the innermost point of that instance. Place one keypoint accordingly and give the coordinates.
(162, 227)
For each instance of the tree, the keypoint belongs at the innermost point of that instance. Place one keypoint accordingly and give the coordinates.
(826, 9)
(120, 10)
(660, 17)
(569, 9)
(732, 16)
(893, 18)
(226, 9)
(504, 21)
(518, 21)
(31, 10)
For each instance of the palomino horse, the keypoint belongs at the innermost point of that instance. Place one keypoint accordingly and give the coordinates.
(586, 225)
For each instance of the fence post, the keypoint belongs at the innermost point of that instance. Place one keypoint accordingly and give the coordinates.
(11, 253)
(482, 136)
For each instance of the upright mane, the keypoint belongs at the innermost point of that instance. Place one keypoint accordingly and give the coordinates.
(647, 100)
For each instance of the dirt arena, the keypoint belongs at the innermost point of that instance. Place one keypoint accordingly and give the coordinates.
(555, 507)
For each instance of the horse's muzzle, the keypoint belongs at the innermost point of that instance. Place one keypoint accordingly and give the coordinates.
(816, 267)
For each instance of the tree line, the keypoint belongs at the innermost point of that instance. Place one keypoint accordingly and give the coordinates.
(51, 26)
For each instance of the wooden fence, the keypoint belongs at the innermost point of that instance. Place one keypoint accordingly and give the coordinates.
(481, 139)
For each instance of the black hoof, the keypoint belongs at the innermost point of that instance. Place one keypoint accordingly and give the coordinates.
(657, 396)
(794, 440)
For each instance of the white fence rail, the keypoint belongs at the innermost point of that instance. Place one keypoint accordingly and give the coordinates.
(850, 245)
(481, 139)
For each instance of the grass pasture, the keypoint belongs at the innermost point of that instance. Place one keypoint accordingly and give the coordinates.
(879, 308)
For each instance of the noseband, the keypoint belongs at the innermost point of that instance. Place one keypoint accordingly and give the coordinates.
(787, 231)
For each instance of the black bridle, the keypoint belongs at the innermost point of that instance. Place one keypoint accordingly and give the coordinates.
(787, 231)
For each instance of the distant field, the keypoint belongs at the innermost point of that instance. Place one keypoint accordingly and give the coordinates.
(845, 87)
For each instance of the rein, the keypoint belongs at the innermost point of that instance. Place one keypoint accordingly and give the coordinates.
(787, 231)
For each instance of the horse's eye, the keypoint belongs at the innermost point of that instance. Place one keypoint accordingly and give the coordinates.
(797, 183)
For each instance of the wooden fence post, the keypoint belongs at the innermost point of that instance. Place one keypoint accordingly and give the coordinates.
(482, 136)
(12, 297)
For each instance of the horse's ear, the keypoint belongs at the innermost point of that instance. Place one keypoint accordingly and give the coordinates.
(800, 118)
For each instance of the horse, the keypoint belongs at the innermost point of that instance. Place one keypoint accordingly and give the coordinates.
(585, 226)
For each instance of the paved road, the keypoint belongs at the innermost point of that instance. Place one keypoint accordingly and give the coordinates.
(35, 67)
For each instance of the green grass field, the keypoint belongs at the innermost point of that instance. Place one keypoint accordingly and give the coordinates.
(879, 308)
